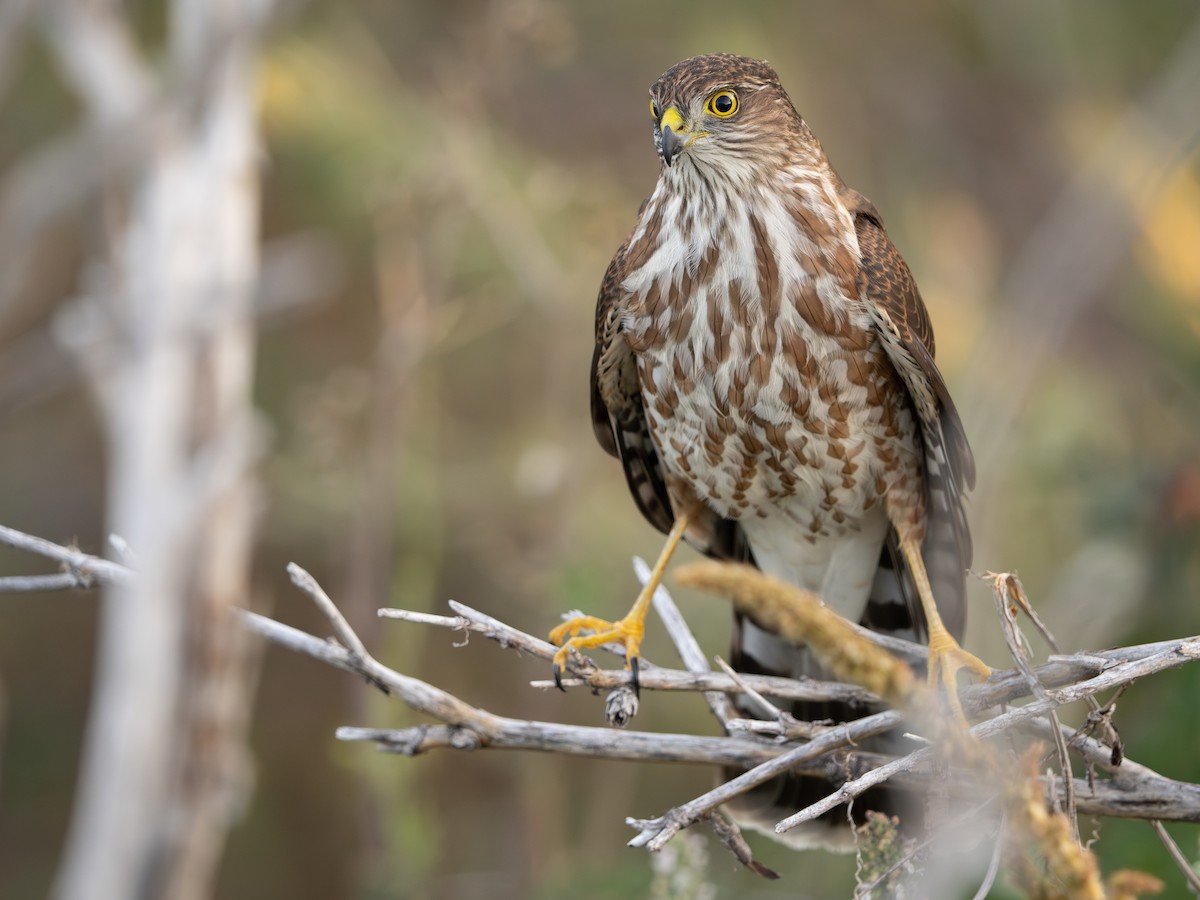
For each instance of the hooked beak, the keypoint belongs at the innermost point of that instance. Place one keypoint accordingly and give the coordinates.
(675, 136)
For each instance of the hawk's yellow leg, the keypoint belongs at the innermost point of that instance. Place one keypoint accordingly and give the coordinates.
(946, 657)
(630, 630)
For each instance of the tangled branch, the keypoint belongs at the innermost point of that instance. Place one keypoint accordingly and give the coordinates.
(1114, 786)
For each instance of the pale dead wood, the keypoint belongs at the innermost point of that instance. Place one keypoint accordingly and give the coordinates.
(63, 581)
(685, 643)
(1129, 790)
(87, 570)
(651, 677)
(163, 329)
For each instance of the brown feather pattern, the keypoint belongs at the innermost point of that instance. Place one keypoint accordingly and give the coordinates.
(764, 363)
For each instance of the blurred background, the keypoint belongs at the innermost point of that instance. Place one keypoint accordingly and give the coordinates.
(443, 185)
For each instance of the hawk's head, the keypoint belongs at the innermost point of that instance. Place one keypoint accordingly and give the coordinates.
(723, 110)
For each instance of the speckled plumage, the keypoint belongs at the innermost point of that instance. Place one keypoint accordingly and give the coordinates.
(764, 363)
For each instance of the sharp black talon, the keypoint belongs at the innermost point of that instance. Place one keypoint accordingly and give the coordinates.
(637, 687)
(558, 679)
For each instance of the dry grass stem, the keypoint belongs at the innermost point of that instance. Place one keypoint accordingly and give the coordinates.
(1070, 870)
(804, 619)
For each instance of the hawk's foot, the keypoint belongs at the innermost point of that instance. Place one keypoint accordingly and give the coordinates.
(946, 657)
(946, 660)
(627, 631)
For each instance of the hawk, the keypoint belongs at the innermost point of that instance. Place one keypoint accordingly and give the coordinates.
(764, 370)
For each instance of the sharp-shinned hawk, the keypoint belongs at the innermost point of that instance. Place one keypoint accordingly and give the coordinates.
(764, 371)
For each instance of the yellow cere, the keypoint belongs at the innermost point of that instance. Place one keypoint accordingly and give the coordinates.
(672, 118)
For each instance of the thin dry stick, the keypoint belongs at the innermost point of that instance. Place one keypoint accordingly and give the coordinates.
(62, 581)
(1006, 588)
(1010, 585)
(341, 627)
(767, 707)
(88, 570)
(1118, 675)
(1193, 878)
(467, 727)
(654, 833)
(650, 677)
(856, 788)
(993, 870)
(685, 642)
(730, 835)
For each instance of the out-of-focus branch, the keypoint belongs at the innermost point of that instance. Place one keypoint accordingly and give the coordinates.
(297, 273)
(130, 115)
(1181, 862)
(88, 570)
(98, 56)
(62, 581)
(164, 328)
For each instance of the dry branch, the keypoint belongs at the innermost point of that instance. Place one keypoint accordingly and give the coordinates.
(1128, 790)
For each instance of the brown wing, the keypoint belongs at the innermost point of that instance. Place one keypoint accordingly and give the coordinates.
(903, 324)
(618, 416)
(620, 424)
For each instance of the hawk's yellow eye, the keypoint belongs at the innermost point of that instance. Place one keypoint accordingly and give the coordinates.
(722, 104)
(654, 110)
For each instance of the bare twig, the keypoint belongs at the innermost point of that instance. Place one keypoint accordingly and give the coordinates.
(1185, 866)
(993, 870)
(1007, 589)
(856, 788)
(654, 833)
(1009, 597)
(685, 642)
(62, 581)
(87, 569)
(731, 836)
(1131, 790)
(571, 740)
(341, 627)
(650, 678)
(764, 704)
